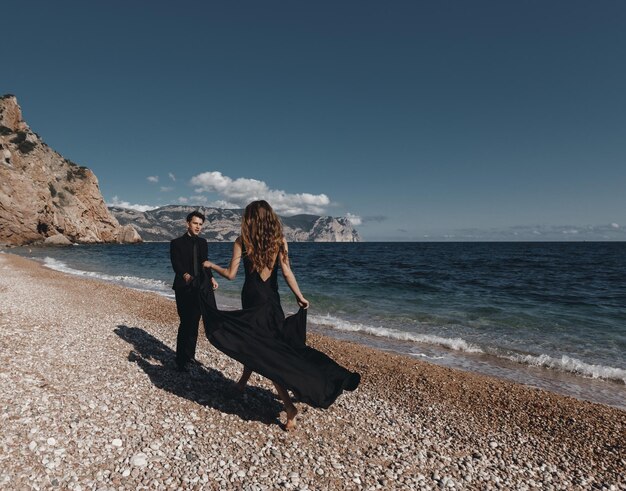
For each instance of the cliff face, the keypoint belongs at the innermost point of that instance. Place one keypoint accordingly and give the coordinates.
(221, 225)
(43, 195)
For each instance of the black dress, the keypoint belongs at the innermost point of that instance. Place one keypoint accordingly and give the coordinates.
(260, 337)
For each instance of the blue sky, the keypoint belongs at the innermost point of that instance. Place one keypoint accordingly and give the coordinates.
(434, 120)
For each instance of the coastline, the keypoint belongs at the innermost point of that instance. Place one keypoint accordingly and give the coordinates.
(456, 337)
(92, 387)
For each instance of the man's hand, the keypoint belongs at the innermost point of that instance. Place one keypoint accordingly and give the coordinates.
(207, 264)
(214, 284)
(187, 277)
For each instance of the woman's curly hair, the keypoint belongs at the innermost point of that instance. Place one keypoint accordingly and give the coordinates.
(261, 234)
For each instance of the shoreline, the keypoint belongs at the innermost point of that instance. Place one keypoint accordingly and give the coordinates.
(561, 374)
(410, 424)
(581, 387)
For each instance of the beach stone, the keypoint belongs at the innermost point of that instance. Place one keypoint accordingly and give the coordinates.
(51, 441)
(139, 460)
(116, 442)
(452, 438)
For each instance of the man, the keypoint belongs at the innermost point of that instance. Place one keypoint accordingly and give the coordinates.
(187, 254)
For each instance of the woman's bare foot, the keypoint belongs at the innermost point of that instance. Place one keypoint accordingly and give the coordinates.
(291, 418)
(290, 409)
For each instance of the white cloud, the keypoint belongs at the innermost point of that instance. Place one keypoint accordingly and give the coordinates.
(153, 178)
(165, 189)
(220, 203)
(201, 200)
(172, 176)
(198, 199)
(354, 219)
(239, 192)
(615, 225)
(125, 204)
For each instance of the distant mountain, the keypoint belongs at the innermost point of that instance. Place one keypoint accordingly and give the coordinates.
(45, 197)
(223, 225)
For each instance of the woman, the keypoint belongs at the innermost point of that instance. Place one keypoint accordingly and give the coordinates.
(260, 336)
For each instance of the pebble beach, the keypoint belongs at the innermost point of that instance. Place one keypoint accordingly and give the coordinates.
(89, 399)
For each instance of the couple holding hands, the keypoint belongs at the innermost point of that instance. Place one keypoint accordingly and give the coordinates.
(259, 336)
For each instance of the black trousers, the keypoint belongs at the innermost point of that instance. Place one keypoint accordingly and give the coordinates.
(188, 307)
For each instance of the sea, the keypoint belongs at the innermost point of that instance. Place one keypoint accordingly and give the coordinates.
(550, 315)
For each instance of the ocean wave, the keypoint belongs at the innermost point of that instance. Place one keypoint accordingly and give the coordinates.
(135, 282)
(568, 364)
(564, 363)
(457, 344)
(423, 355)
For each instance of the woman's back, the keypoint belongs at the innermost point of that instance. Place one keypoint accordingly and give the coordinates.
(259, 288)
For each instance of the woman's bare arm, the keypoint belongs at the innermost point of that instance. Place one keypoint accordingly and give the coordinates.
(290, 278)
(230, 272)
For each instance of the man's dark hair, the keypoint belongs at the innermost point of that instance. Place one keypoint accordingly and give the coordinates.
(195, 213)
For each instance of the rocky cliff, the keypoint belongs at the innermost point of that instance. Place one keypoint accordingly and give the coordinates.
(45, 197)
(223, 225)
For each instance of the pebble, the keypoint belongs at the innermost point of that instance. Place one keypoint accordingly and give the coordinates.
(186, 432)
(139, 460)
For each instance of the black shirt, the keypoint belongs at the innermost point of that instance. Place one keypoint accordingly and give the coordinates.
(181, 255)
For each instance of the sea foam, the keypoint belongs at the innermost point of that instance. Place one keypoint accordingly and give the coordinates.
(144, 284)
(564, 363)
(457, 344)
(568, 364)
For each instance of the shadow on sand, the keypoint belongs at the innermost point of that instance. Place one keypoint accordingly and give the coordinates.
(203, 385)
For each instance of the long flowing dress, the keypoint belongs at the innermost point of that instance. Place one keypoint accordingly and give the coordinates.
(260, 337)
